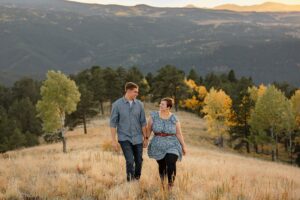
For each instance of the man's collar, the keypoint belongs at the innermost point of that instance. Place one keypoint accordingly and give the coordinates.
(126, 100)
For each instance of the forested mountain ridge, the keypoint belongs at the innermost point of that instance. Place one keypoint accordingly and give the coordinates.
(40, 35)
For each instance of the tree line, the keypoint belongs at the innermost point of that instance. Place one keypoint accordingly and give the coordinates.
(254, 118)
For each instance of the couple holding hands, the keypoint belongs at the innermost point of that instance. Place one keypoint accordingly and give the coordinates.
(128, 121)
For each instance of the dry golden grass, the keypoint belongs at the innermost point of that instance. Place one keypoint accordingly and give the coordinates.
(91, 170)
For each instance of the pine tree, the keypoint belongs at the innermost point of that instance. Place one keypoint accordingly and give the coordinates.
(169, 82)
(86, 108)
(136, 76)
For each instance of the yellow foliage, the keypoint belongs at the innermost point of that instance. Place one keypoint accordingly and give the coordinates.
(218, 111)
(202, 92)
(190, 83)
(196, 101)
(255, 92)
(192, 103)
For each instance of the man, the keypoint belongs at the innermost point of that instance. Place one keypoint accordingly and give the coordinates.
(129, 121)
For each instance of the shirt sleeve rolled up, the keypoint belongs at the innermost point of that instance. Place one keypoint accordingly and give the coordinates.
(143, 120)
(114, 116)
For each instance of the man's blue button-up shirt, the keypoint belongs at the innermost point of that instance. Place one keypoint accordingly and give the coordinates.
(128, 120)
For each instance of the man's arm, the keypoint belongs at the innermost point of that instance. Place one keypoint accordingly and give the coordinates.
(113, 134)
(114, 120)
(143, 122)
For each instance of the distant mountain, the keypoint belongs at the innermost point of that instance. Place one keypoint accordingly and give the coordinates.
(38, 35)
(190, 6)
(265, 7)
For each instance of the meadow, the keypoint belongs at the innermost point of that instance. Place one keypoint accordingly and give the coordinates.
(91, 170)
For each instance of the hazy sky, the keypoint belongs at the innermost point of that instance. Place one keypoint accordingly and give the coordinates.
(181, 3)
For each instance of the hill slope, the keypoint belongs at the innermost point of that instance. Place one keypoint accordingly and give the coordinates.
(54, 34)
(91, 171)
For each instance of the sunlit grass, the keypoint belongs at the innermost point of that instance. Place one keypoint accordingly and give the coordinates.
(91, 170)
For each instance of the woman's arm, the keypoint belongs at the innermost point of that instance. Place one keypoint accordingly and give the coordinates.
(180, 137)
(148, 132)
(149, 127)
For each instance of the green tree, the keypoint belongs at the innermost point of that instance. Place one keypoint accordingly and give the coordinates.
(272, 115)
(5, 131)
(27, 87)
(97, 86)
(240, 131)
(193, 75)
(286, 88)
(24, 112)
(121, 73)
(85, 109)
(169, 81)
(6, 97)
(94, 80)
(136, 76)
(150, 78)
(113, 82)
(60, 96)
(231, 76)
(212, 80)
(16, 139)
(295, 101)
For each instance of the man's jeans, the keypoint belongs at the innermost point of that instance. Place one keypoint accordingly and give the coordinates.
(134, 158)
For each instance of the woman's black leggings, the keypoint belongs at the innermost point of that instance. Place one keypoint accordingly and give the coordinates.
(167, 167)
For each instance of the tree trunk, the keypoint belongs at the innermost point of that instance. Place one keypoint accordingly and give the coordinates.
(84, 123)
(256, 148)
(286, 145)
(221, 141)
(101, 107)
(290, 148)
(246, 133)
(64, 141)
(273, 146)
(248, 147)
(276, 146)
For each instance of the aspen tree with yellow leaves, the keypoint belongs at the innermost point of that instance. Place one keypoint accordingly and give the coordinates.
(218, 112)
(255, 92)
(196, 101)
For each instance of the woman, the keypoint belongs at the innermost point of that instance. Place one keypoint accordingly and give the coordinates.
(167, 145)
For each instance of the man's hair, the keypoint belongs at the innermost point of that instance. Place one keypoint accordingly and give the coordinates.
(130, 86)
(169, 101)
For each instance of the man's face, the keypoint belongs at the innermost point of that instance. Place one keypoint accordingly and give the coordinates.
(132, 94)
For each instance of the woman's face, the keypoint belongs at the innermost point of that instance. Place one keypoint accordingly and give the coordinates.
(163, 106)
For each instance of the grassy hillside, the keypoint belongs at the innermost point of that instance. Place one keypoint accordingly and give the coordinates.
(90, 170)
